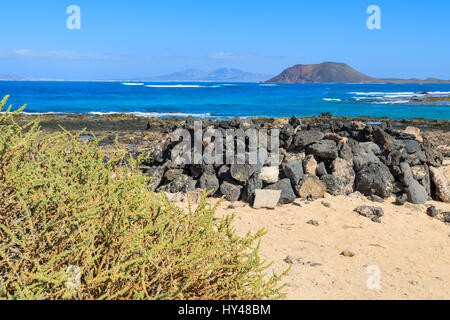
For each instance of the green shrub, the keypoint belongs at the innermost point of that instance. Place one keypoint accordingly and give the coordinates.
(63, 207)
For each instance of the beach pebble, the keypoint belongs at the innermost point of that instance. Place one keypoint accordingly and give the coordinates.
(371, 212)
(315, 264)
(432, 211)
(292, 260)
(347, 253)
(326, 204)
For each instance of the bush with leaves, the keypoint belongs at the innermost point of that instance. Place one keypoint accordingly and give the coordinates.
(63, 207)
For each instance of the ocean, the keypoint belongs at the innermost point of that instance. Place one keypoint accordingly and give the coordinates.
(227, 100)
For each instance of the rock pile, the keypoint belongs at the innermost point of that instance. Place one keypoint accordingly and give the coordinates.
(328, 155)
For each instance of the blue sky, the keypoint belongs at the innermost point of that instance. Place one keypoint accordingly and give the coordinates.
(136, 38)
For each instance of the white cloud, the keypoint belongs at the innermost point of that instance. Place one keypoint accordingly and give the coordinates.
(22, 52)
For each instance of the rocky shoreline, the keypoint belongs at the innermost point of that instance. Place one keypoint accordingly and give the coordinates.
(138, 132)
(377, 158)
(432, 99)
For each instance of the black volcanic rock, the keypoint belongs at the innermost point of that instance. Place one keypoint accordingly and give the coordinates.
(323, 72)
(352, 156)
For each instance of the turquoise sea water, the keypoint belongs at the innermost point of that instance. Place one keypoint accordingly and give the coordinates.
(223, 100)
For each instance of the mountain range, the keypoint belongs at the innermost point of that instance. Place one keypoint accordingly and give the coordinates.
(219, 75)
(336, 72)
(325, 72)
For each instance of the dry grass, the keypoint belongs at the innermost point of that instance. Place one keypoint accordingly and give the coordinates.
(64, 207)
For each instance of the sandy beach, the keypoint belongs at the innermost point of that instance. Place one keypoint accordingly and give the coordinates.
(411, 249)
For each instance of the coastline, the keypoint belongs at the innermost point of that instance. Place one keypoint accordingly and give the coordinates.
(135, 132)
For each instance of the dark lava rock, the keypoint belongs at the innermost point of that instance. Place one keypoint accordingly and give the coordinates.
(374, 178)
(286, 136)
(375, 198)
(371, 212)
(232, 192)
(224, 173)
(155, 173)
(434, 157)
(381, 137)
(208, 168)
(313, 222)
(446, 216)
(411, 146)
(253, 183)
(325, 149)
(196, 171)
(307, 137)
(182, 183)
(209, 182)
(393, 158)
(376, 219)
(365, 153)
(292, 260)
(171, 174)
(295, 121)
(321, 169)
(432, 211)
(242, 172)
(415, 191)
(293, 170)
(287, 193)
(161, 153)
(415, 158)
(345, 152)
(401, 199)
(331, 183)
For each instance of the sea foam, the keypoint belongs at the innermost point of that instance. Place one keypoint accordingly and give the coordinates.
(153, 114)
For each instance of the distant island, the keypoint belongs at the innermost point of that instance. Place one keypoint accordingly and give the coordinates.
(219, 75)
(336, 72)
(325, 72)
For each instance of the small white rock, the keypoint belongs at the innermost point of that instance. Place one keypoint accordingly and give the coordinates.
(269, 174)
(266, 198)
